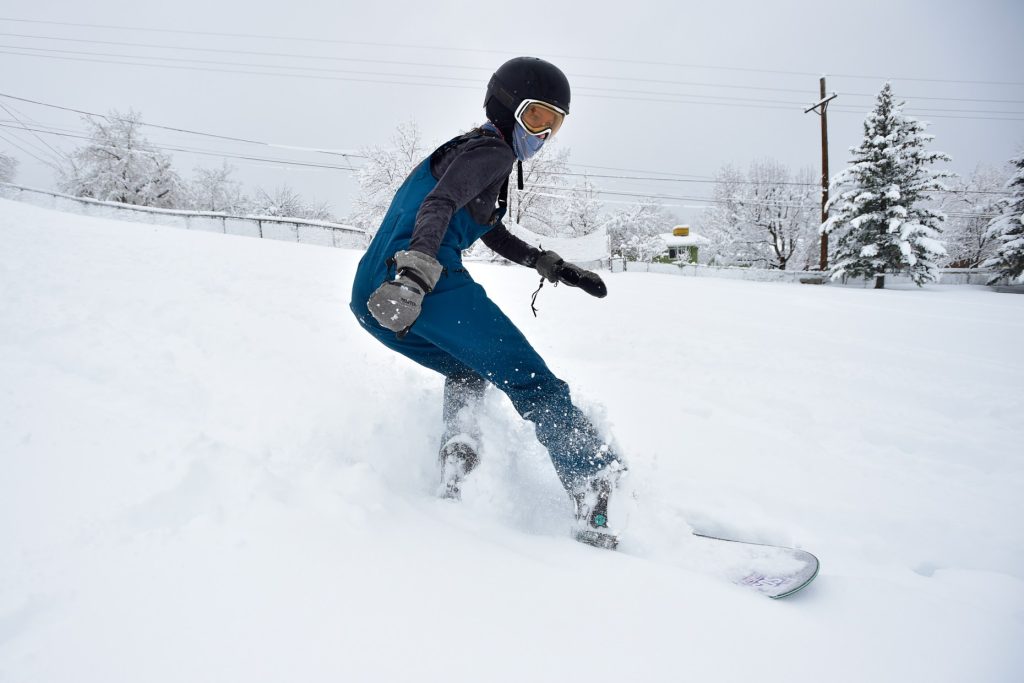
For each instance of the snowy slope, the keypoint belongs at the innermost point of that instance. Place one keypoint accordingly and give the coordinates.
(209, 473)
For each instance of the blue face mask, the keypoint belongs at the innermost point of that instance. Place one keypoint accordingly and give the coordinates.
(524, 144)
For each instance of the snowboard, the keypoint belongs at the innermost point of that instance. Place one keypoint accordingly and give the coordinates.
(772, 570)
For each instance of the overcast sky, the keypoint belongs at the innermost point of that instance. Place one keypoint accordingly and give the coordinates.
(668, 88)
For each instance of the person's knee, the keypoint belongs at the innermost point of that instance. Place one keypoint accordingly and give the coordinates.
(538, 394)
(466, 382)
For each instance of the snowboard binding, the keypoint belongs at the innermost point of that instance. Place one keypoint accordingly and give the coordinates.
(458, 457)
(591, 500)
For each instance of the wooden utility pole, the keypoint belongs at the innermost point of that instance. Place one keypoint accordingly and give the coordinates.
(821, 109)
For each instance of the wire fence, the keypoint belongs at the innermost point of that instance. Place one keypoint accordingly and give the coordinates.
(947, 276)
(322, 233)
(328, 234)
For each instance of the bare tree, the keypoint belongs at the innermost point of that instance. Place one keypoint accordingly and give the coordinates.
(635, 231)
(766, 217)
(547, 205)
(969, 207)
(285, 202)
(721, 222)
(581, 212)
(385, 170)
(214, 189)
(8, 168)
(118, 164)
(538, 207)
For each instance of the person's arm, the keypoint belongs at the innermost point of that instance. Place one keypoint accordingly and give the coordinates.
(470, 173)
(550, 265)
(502, 242)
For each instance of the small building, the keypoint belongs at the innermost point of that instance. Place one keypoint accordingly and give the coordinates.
(683, 245)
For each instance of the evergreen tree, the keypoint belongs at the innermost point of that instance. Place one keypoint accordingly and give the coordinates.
(1008, 230)
(878, 210)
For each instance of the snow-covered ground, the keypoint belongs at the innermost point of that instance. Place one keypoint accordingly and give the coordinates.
(208, 472)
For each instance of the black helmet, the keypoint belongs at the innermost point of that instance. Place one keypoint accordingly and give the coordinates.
(525, 78)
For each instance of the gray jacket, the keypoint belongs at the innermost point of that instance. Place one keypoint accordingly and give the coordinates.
(471, 175)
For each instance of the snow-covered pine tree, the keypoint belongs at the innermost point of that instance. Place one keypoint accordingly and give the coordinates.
(878, 210)
(119, 165)
(1008, 230)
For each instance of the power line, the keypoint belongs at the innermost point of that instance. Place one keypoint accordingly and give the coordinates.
(672, 177)
(367, 80)
(14, 144)
(448, 48)
(631, 95)
(928, 80)
(675, 178)
(213, 153)
(257, 53)
(182, 60)
(47, 157)
(336, 41)
(715, 181)
(292, 55)
(923, 112)
(22, 123)
(174, 62)
(712, 200)
(183, 130)
(598, 191)
(238, 71)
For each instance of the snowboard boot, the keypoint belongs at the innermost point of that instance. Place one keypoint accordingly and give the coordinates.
(458, 457)
(591, 499)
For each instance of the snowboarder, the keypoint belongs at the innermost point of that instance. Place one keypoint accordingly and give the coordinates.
(412, 293)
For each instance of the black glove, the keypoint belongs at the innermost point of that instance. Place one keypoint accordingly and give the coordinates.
(396, 304)
(554, 269)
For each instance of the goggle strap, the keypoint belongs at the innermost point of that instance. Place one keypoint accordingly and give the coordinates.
(504, 96)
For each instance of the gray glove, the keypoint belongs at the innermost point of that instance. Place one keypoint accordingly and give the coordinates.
(396, 304)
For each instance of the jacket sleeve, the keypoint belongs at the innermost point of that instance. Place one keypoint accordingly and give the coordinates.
(468, 176)
(504, 243)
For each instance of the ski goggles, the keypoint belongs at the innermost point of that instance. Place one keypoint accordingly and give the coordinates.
(539, 118)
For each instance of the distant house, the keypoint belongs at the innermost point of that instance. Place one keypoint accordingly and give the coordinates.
(682, 244)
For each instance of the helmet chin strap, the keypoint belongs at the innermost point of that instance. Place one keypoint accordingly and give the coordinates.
(519, 162)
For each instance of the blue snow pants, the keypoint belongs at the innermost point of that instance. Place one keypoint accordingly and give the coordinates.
(463, 335)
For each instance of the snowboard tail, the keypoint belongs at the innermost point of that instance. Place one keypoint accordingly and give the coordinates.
(598, 539)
